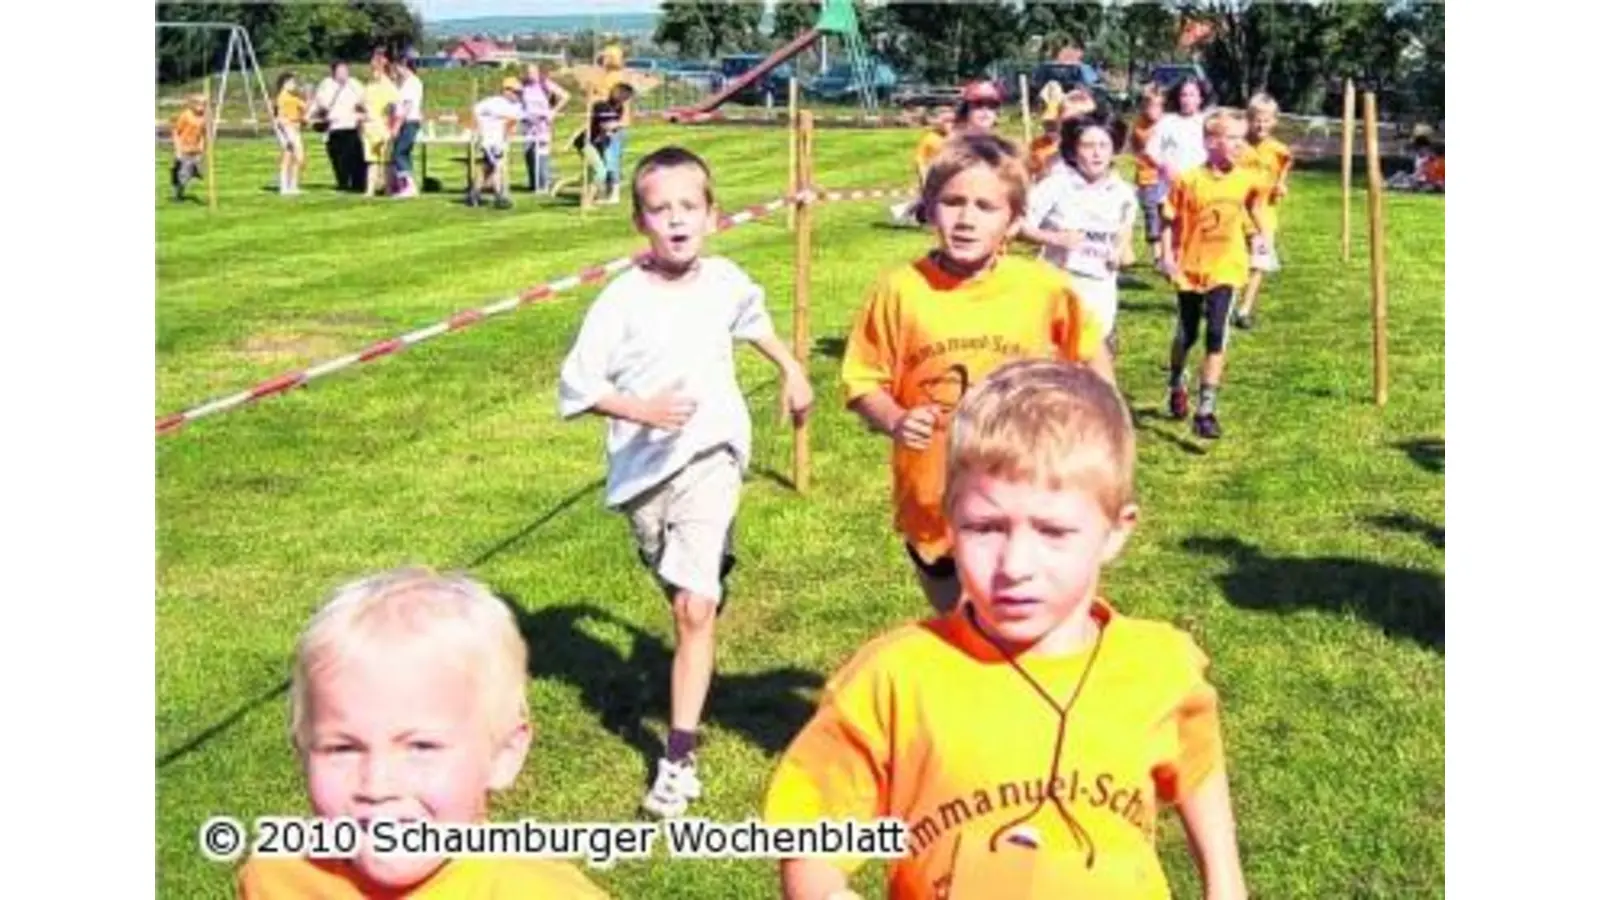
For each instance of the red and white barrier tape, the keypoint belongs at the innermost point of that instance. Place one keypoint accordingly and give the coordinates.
(685, 117)
(537, 294)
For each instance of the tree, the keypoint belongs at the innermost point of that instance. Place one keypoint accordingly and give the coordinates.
(946, 43)
(283, 33)
(792, 17)
(1057, 25)
(705, 28)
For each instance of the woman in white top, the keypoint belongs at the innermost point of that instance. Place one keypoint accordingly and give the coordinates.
(1178, 141)
(410, 115)
(1082, 214)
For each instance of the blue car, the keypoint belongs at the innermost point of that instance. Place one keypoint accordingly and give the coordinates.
(838, 83)
(773, 86)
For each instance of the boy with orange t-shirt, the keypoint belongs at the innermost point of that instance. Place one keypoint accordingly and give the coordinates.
(933, 328)
(1270, 159)
(1146, 170)
(1029, 738)
(407, 702)
(1210, 214)
(188, 144)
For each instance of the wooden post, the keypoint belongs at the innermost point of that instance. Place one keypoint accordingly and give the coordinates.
(583, 186)
(1380, 296)
(794, 132)
(211, 148)
(802, 293)
(1345, 165)
(1027, 114)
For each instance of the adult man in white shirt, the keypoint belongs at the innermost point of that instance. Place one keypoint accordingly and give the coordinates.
(336, 102)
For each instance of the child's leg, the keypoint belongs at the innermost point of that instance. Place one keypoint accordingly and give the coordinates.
(1188, 331)
(1218, 306)
(1248, 302)
(683, 529)
(1150, 205)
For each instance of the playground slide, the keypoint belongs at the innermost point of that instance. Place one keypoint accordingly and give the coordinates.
(779, 57)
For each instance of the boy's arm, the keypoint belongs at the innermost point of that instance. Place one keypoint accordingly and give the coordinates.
(867, 370)
(814, 879)
(1213, 838)
(586, 386)
(797, 394)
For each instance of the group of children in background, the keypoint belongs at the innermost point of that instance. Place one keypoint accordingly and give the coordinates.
(1207, 186)
(1012, 464)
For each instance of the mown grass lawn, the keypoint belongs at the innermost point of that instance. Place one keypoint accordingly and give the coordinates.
(1305, 550)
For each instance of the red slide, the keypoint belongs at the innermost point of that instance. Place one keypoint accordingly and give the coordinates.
(779, 57)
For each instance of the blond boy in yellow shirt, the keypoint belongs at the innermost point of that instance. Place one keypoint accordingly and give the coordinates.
(407, 702)
(1030, 738)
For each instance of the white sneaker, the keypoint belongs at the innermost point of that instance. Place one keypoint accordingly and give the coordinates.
(676, 784)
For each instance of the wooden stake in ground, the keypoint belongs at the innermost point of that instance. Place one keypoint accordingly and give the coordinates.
(794, 131)
(1345, 162)
(211, 148)
(588, 147)
(1027, 112)
(1380, 295)
(802, 291)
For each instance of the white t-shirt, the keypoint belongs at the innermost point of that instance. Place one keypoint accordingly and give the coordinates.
(1064, 201)
(411, 99)
(642, 337)
(492, 114)
(1179, 141)
(340, 102)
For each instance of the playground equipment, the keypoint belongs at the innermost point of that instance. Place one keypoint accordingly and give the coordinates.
(838, 18)
(195, 42)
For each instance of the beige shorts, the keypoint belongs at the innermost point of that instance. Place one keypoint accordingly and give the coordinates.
(684, 526)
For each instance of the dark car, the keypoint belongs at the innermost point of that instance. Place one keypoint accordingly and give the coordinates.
(772, 87)
(1167, 75)
(838, 83)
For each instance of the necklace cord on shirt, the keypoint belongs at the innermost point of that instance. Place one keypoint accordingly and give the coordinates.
(1079, 833)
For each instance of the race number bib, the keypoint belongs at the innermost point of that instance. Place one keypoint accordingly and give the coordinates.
(1093, 255)
(1263, 255)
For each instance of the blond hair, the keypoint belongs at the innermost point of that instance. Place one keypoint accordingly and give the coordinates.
(1152, 91)
(1057, 423)
(967, 151)
(1220, 118)
(1262, 104)
(453, 615)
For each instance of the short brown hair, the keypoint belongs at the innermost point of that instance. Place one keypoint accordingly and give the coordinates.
(966, 151)
(669, 158)
(1220, 118)
(1058, 423)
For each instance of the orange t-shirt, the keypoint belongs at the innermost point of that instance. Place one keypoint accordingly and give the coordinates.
(1145, 172)
(472, 878)
(1042, 154)
(927, 148)
(1433, 171)
(1210, 226)
(926, 336)
(189, 132)
(930, 724)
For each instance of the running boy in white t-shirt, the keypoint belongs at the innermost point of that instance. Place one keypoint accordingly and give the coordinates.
(655, 356)
(1082, 215)
(494, 117)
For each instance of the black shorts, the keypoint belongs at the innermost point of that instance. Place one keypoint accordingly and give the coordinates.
(940, 569)
(1214, 307)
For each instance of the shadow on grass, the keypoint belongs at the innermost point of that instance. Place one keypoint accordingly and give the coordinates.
(1145, 419)
(624, 687)
(1405, 603)
(228, 721)
(205, 735)
(1428, 453)
(1410, 523)
(544, 519)
(831, 347)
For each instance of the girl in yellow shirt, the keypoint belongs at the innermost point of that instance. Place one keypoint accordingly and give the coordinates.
(289, 114)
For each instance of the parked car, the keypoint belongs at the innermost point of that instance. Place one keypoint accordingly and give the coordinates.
(773, 86)
(1169, 74)
(915, 95)
(838, 83)
(647, 64)
(700, 75)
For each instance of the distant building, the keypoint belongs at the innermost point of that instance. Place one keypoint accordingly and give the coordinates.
(482, 51)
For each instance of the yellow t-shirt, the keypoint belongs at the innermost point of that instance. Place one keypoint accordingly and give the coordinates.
(928, 148)
(932, 725)
(291, 107)
(461, 879)
(1268, 161)
(927, 336)
(1210, 226)
(381, 94)
(189, 132)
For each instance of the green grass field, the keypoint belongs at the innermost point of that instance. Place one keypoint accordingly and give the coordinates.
(1304, 550)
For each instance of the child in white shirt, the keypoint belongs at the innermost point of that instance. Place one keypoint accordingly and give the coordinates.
(494, 117)
(655, 356)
